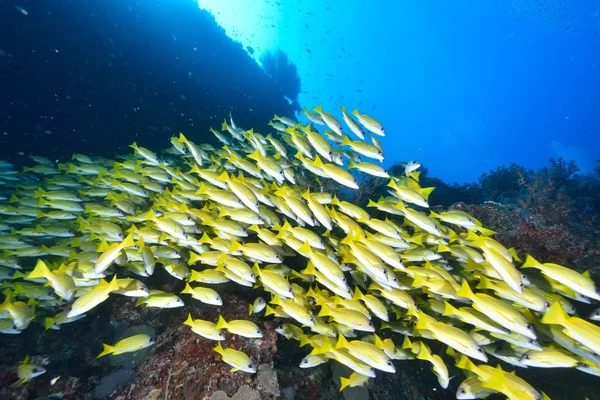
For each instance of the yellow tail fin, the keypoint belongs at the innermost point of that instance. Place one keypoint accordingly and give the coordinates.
(107, 350)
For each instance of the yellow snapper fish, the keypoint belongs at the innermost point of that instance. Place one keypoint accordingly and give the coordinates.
(110, 253)
(329, 120)
(205, 295)
(350, 318)
(232, 207)
(205, 329)
(367, 353)
(27, 371)
(354, 127)
(343, 357)
(236, 358)
(160, 299)
(355, 379)
(62, 283)
(581, 283)
(549, 358)
(579, 329)
(453, 337)
(243, 328)
(127, 345)
(257, 306)
(438, 366)
(499, 311)
(472, 388)
(92, 298)
(371, 124)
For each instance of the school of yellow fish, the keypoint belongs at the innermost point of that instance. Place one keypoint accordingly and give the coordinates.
(74, 234)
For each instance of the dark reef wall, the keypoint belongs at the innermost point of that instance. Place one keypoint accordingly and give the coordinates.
(93, 76)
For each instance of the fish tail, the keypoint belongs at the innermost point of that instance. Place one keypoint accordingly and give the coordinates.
(555, 315)
(358, 294)
(424, 353)
(465, 291)
(107, 350)
(187, 289)
(530, 262)
(449, 309)
(221, 323)
(344, 382)
(41, 270)
(48, 322)
(268, 311)
(218, 348)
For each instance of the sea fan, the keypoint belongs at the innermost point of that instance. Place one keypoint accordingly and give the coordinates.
(279, 67)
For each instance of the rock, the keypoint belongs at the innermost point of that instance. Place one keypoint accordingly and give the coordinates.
(245, 392)
(354, 393)
(267, 381)
(112, 381)
(288, 393)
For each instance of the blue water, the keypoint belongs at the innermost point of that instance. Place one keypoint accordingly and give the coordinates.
(461, 86)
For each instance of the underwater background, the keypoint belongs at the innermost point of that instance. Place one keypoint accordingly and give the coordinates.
(498, 101)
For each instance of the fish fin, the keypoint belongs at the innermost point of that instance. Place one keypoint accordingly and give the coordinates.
(187, 289)
(48, 322)
(555, 315)
(424, 353)
(107, 350)
(41, 270)
(221, 323)
(530, 262)
(341, 342)
(357, 294)
(425, 192)
(268, 310)
(465, 291)
(218, 348)
(449, 309)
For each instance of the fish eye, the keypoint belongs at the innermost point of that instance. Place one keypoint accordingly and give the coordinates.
(258, 331)
(389, 362)
(521, 285)
(527, 356)
(480, 350)
(305, 361)
(528, 326)
(547, 304)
